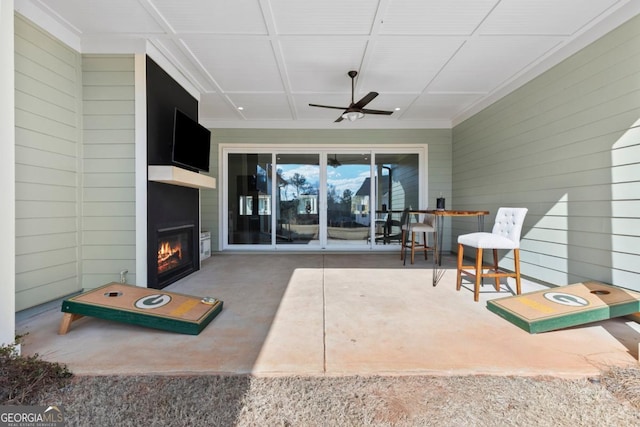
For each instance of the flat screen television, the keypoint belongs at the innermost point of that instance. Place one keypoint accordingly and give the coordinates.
(191, 143)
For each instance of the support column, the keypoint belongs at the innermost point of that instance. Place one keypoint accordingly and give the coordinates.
(7, 176)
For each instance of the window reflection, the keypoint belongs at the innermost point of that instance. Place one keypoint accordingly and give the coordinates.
(298, 207)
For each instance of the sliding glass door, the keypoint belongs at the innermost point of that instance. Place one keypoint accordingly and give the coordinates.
(249, 203)
(319, 199)
(348, 201)
(297, 204)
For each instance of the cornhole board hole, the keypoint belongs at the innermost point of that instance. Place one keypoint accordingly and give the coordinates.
(566, 306)
(152, 308)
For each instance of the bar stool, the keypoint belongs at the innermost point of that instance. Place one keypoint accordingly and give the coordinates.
(410, 228)
(505, 235)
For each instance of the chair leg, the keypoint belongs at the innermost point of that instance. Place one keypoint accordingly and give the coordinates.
(413, 246)
(516, 260)
(476, 290)
(402, 246)
(495, 268)
(424, 241)
(460, 257)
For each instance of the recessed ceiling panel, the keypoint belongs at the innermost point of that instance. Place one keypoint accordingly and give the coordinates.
(554, 17)
(238, 64)
(486, 62)
(97, 16)
(315, 64)
(323, 17)
(402, 64)
(263, 106)
(213, 107)
(173, 49)
(435, 17)
(213, 17)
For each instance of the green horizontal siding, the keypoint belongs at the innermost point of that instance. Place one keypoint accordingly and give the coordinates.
(47, 94)
(566, 146)
(108, 193)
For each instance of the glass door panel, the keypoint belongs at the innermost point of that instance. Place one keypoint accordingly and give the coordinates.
(397, 186)
(249, 199)
(348, 198)
(297, 204)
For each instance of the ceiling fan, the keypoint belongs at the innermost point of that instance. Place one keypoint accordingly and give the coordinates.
(355, 110)
(334, 163)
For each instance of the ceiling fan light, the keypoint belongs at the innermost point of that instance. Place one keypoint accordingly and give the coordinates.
(352, 116)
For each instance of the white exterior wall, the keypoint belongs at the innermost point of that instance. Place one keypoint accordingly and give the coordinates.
(47, 159)
(7, 175)
(567, 146)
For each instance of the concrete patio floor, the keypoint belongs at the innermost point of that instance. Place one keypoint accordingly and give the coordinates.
(333, 314)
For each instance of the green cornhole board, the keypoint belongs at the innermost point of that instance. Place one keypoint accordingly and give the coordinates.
(152, 308)
(566, 306)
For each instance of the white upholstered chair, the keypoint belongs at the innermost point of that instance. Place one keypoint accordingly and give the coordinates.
(505, 235)
(408, 239)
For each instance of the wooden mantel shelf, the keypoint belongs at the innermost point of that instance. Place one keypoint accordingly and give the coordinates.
(182, 177)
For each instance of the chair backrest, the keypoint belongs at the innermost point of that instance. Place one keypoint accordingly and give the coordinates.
(404, 219)
(429, 219)
(509, 223)
(384, 218)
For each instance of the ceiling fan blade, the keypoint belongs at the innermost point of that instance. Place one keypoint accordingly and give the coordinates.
(367, 111)
(339, 119)
(365, 100)
(327, 106)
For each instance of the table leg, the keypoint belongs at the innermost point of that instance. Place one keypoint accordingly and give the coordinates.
(437, 255)
(440, 232)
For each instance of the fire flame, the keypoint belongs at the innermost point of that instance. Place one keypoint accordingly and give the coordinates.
(168, 255)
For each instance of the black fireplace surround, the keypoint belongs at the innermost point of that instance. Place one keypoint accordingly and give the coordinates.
(169, 207)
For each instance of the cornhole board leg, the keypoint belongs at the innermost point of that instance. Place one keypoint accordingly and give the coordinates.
(65, 325)
(566, 306)
(636, 318)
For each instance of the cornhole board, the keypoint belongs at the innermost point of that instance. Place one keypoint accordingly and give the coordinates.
(566, 306)
(152, 308)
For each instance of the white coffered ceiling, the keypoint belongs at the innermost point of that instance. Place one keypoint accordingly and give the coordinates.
(436, 61)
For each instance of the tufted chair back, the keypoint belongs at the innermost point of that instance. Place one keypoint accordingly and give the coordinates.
(509, 223)
(429, 219)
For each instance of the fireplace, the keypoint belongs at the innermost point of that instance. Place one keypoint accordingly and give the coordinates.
(175, 254)
(172, 211)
